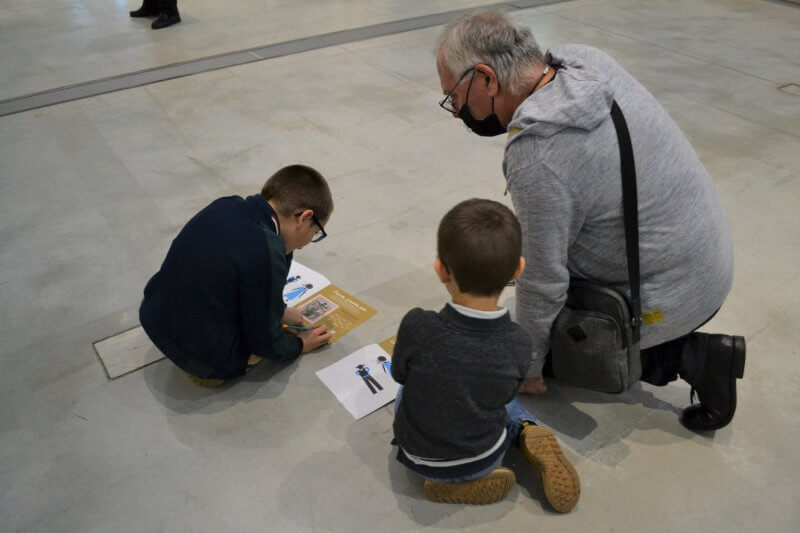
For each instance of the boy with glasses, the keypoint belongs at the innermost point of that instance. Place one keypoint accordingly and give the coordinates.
(461, 368)
(216, 305)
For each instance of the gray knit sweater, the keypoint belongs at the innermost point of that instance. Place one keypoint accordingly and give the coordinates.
(562, 169)
(458, 374)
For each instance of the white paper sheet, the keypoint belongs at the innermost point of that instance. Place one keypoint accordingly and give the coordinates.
(362, 381)
(301, 283)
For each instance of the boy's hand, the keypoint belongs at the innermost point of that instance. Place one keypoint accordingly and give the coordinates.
(315, 338)
(292, 317)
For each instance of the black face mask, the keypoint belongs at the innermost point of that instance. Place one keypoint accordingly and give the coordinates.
(489, 126)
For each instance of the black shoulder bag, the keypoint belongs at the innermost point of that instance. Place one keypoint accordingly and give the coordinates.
(595, 337)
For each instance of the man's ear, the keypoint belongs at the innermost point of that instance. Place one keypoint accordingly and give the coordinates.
(486, 75)
(441, 271)
(520, 268)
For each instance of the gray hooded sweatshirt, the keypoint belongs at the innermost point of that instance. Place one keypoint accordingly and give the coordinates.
(563, 173)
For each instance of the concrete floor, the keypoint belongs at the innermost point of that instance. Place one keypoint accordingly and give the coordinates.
(93, 191)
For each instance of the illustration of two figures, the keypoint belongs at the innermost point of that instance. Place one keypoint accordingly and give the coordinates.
(372, 384)
(295, 288)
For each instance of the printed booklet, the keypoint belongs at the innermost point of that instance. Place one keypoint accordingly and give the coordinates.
(322, 303)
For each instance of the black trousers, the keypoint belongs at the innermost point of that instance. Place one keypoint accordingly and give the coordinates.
(660, 363)
(170, 7)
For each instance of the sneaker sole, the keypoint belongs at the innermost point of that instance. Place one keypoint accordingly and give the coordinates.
(208, 383)
(485, 490)
(562, 487)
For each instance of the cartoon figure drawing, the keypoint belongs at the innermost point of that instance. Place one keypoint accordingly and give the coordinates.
(295, 288)
(297, 292)
(385, 364)
(362, 371)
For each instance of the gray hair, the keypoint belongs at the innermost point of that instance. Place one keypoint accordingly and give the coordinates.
(491, 38)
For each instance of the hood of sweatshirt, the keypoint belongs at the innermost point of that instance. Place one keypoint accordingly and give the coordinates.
(576, 97)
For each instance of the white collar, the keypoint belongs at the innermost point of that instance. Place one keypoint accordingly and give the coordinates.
(475, 313)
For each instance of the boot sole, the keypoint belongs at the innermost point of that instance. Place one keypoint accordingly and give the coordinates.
(737, 372)
(562, 487)
(739, 352)
(161, 26)
(485, 490)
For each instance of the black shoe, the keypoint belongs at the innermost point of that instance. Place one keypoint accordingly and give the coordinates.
(165, 20)
(722, 364)
(144, 12)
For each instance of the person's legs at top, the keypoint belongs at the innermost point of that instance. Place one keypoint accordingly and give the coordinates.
(150, 8)
(170, 7)
(168, 14)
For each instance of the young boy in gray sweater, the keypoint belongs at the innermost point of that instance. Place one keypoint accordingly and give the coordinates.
(460, 369)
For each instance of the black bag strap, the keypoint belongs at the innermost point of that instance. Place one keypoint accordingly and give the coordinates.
(630, 208)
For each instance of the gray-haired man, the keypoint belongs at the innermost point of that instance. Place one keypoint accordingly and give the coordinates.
(562, 169)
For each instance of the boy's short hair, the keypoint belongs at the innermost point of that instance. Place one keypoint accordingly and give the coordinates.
(298, 187)
(480, 243)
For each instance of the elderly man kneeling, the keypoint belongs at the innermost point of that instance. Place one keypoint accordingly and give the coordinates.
(562, 167)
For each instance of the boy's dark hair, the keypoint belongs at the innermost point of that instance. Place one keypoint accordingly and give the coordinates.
(298, 187)
(480, 243)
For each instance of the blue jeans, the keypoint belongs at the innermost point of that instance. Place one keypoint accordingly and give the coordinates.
(516, 416)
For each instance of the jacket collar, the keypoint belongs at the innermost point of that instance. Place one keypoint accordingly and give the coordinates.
(258, 209)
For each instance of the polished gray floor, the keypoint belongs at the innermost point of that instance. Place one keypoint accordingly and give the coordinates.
(231, 58)
(93, 191)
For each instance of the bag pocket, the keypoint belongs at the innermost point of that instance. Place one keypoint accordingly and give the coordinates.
(588, 351)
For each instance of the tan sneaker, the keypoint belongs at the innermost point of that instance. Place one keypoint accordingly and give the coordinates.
(488, 489)
(253, 360)
(210, 383)
(562, 488)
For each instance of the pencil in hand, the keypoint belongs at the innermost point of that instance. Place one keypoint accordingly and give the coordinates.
(295, 328)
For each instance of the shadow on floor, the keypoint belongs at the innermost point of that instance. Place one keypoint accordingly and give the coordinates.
(170, 386)
(557, 408)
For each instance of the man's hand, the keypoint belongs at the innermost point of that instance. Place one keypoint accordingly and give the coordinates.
(534, 385)
(315, 338)
(292, 317)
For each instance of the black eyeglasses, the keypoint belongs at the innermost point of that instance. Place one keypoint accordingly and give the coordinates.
(447, 102)
(321, 234)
